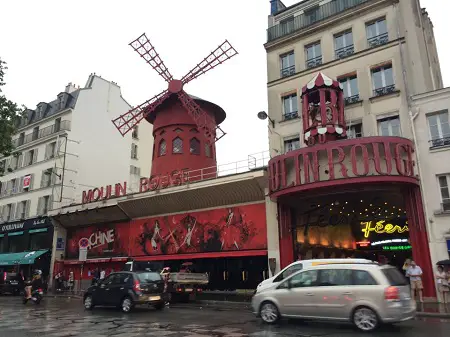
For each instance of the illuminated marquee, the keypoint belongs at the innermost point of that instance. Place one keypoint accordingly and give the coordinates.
(381, 227)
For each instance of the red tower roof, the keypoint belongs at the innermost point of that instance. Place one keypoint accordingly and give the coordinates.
(321, 80)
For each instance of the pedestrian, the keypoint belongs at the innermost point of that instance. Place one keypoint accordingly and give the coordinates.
(102, 274)
(414, 272)
(71, 280)
(442, 283)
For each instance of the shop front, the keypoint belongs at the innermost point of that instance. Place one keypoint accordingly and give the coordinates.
(26, 245)
(229, 243)
(342, 197)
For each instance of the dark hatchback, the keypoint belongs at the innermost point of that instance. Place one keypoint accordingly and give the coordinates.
(11, 283)
(125, 290)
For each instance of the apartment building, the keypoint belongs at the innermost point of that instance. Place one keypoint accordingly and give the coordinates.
(63, 147)
(432, 133)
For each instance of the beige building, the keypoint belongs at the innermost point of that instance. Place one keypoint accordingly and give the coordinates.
(432, 133)
(381, 51)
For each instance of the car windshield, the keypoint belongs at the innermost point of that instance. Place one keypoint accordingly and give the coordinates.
(394, 277)
(149, 277)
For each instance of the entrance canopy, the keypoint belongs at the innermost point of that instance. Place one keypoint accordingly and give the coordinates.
(12, 259)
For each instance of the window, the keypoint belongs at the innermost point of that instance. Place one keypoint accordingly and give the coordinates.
(14, 185)
(7, 210)
(287, 25)
(21, 138)
(46, 179)
(30, 157)
(304, 279)
(291, 144)
(43, 205)
(16, 242)
(35, 133)
(57, 124)
(207, 150)
(178, 130)
(394, 277)
(335, 277)
(389, 126)
(377, 32)
(439, 129)
(383, 80)
(177, 145)
(135, 132)
(363, 278)
(350, 85)
(287, 64)
(354, 131)
(2, 244)
(288, 271)
(135, 170)
(313, 55)
(39, 239)
(194, 146)
(194, 130)
(134, 151)
(21, 211)
(50, 150)
(312, 15)
(290, 107)
(14, 162)
(162, 148)
(445, 192)
(343, 44)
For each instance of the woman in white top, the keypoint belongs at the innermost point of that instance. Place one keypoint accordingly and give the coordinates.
(442, 283)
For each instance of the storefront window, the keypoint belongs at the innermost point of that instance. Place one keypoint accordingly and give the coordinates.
(2, 243)
(39, 239)
(16, 242)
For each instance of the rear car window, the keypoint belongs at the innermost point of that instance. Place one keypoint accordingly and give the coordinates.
(149, 277)
(394, 277)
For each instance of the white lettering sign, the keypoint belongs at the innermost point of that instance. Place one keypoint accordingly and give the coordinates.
(11, 227)
(98, 239)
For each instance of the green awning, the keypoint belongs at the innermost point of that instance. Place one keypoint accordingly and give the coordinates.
(11, 259)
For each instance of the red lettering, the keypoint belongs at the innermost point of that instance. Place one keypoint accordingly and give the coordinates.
(108, 192)
(121, 189)
(153, 183)
(311, 165)
(164, 180)
(143, 185)
(97, 193)
(404, 166)
(175, 178)
(364, 157)
(87, 197)
(387, 158)
(331, 163)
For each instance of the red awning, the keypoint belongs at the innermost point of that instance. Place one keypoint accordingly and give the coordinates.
(192, 256)
(103, 260)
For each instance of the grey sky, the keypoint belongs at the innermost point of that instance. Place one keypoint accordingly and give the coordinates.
(50, 43)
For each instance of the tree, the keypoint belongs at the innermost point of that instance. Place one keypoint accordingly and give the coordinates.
(10, 115)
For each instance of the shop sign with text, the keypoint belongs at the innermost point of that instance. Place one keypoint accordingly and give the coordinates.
(382, 227)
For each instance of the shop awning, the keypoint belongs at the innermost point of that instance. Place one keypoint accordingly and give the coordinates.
(12, 259)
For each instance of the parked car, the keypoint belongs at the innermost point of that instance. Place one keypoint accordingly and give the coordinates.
(299, 265)
(126, 290)
(365, 294)
(11, 283)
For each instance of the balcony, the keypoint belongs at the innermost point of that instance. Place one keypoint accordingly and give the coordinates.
(445, 206)
(42, 133)
(378, 40)
(303, 21)
(315, 62)
(389, 89)
(290, 115)
(344, 52)
(285, 72)
(439, 142)
(351, 99)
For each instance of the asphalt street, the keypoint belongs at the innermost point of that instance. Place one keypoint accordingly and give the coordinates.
(57, 317)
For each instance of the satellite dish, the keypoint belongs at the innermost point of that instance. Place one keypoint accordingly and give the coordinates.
(262, 115)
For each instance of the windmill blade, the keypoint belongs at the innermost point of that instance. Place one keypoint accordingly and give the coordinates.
(146, 50)
(204, 122)
(128, 120)
(224, 52)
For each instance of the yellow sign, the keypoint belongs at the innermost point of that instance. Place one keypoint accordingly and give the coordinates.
(381, 227)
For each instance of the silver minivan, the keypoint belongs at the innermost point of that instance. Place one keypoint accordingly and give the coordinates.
(365, 294)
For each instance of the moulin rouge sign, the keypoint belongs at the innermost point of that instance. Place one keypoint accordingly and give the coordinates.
(362, 157)
(176, 178)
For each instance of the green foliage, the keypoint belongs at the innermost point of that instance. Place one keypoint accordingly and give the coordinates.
(10, 115)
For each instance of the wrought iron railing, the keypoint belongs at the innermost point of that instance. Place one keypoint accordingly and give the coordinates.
(378, 40)
(440, 142)
(288, 71)
(302, 21)
(315, 62)
(290, 115)
(344, 52)
(384, 90)
(47, 131)
(351, 99)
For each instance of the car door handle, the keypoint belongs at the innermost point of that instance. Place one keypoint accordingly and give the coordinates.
(309, 294)
(347, 293)
(122, 288)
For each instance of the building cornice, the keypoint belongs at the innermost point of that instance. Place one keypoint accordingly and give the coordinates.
(431, 95)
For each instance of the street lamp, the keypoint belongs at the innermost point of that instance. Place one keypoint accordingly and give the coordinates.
(262, 115)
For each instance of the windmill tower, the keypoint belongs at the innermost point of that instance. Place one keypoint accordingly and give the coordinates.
(185, 128)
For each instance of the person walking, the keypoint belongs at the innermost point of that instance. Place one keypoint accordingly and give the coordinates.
(414, 272)
(442, 283)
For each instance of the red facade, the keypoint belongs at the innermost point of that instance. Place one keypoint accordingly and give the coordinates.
(238, 228)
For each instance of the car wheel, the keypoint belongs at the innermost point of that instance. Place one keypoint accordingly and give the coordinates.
(159, 306)
(88, 302)
(269, 313)
(365, 319)
(126, 305)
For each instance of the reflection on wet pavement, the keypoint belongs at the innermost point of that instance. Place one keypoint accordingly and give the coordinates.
(65, 317)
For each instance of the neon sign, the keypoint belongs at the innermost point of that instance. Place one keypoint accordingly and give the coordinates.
(407, 247)
(363, 243)
(381, 227)
(382, 242)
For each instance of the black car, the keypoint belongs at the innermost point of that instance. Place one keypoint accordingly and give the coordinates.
(126, 290)
(11, 283)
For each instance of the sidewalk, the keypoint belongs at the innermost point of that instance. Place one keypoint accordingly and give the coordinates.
(234, 301)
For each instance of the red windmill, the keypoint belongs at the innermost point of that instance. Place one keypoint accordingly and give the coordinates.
(167, 110)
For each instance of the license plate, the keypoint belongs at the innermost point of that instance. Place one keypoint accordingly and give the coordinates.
(188, 290)
(14, 282)
(154, 298)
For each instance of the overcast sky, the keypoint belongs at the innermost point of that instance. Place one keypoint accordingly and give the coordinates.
(50, 43)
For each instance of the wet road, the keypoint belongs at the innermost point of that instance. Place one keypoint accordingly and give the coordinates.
(66, 317)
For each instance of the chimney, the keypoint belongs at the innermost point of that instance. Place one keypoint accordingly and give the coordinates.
(70, 88)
